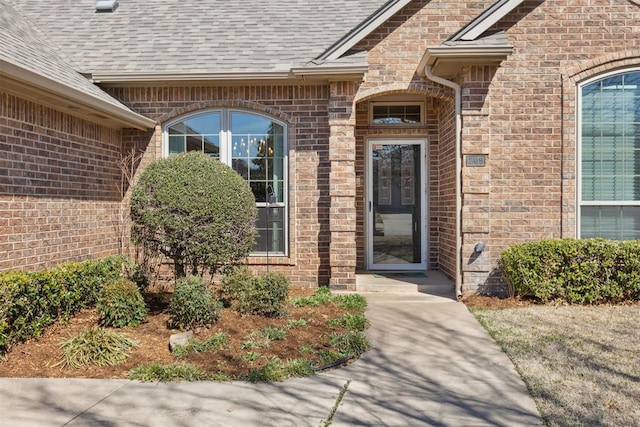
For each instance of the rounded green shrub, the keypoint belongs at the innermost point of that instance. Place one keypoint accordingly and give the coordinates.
(193, 304)
(195, 210)
(234, 281)
(578, 271)
(120, 304)
(264, 295)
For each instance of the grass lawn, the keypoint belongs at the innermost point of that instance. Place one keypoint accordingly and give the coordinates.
(580, 363)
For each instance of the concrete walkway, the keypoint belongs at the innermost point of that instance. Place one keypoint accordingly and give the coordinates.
(431, 364)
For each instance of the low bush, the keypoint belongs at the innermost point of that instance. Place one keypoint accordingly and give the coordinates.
(350, 321)
(193, 304)
(273, 334)
(214, 342)
(320, 296)
(175, 372)
(121, 304)
(350, 343)
(233, 282)
(352, 302)
(29, 302)
(299, 368)
(273, 370)
(96, 346)
(264, 295)
(583, 271)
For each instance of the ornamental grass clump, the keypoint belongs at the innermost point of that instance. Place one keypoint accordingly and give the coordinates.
(96, 346)
(120, 304)
(193, 304)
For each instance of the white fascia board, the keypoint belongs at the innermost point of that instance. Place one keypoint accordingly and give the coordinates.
(486, 20)
(187, 77)
(363, 30)
(461, 52)
(115, 111)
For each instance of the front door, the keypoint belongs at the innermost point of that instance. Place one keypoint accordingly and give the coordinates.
(396, 205)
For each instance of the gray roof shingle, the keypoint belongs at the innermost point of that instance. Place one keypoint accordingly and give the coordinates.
(195, 36)
(25, 47)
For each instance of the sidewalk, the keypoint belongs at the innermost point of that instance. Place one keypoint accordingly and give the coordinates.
(431, 364)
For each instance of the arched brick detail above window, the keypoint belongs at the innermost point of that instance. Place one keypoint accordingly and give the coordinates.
(602, 64)
(415, 88)
(230, 104)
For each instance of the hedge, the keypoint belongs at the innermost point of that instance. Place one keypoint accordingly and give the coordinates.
(577, 271)
(30, 301)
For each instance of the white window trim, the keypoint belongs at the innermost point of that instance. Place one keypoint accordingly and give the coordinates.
(421, 104)
(579, 202)
(226, 158)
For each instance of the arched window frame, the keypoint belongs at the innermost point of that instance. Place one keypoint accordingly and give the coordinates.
(626, 210)
(270, 206)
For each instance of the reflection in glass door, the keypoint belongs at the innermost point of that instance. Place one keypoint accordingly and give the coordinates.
(396, 205)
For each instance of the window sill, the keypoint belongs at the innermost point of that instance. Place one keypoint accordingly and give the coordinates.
(262, 259)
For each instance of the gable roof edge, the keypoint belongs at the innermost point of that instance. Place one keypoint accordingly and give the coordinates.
(116, 110)
(485, 20)
(362, 30)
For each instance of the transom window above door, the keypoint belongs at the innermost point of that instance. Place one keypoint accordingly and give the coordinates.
(396, 113)
(254, 146)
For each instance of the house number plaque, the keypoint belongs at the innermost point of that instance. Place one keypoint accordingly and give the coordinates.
(475, 160)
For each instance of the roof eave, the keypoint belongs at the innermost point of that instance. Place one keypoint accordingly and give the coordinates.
(343, 72)
(446, 61)
(108, 78)
(40, 88)
(308, 72)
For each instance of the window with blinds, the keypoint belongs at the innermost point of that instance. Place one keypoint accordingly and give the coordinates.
(610, 157)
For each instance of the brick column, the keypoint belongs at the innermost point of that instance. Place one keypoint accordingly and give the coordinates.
(342, 185)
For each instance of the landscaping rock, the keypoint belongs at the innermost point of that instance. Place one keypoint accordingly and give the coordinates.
(179, 339)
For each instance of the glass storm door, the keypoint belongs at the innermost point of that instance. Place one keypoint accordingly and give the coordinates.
(396, 205)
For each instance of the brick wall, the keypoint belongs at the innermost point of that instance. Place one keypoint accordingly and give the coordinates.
(526, 122)
(59, 187)
(520, 116)
(305, 110)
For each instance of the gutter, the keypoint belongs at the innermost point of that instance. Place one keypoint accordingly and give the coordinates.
(317, 71)
(458, 106)
(186, 77)
(114, 109)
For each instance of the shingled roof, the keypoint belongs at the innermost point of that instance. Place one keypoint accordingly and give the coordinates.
(28, 58)
(182, 37)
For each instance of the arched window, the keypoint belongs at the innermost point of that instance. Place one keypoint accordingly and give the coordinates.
(609, 163)
(253, 145)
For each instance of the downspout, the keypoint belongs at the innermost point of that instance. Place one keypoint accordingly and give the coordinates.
(458, 103)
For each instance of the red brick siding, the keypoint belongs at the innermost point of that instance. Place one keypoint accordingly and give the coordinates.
(305, 110)
(59, 187)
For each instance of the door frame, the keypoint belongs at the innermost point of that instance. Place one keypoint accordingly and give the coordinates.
(368, 206)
